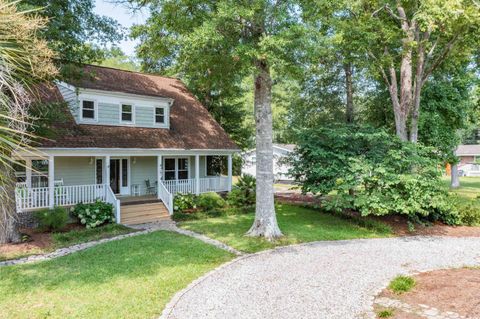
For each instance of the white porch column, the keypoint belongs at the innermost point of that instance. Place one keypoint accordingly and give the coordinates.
(106, 175)
(51, 181)
(197, 174)
(159, 174)
(28, 172)
(229, 172)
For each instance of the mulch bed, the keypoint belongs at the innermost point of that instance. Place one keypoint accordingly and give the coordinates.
(38, 243)
(454, 290)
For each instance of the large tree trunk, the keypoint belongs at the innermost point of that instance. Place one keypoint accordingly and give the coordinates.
(265, 224)
(8, 215)
(455, 180)
(349, 88)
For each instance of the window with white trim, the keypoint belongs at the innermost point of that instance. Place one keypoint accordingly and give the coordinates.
(88, 110)
(159, 115)
(127, 113)
(183, 168)
(169, 169)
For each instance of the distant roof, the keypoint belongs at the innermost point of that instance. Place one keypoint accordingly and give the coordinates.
(473, 149)
(191, 125)
(289, 147)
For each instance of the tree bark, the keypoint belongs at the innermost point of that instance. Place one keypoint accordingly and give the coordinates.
(265, 224)
(455, 180)
(8, 215)
(349, 88)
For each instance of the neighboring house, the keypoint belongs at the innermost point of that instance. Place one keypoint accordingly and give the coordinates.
(128, 138)
(280, 168)
(469, 164)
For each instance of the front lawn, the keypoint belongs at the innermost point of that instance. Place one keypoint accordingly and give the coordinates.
(46, 242)
(298, 224)
(130, 278)
(469, 186)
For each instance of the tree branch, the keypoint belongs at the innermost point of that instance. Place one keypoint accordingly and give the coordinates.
(441, 57)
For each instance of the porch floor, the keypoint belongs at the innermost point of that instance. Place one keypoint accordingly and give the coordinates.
(135, 200)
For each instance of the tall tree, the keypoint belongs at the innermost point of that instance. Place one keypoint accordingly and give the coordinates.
(231, 39)
(75, 31)
(407, 41)
(24, 59)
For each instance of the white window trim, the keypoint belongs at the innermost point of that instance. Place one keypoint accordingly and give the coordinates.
(95, 111)
(121, 111)
(176, 158)
(165, 112)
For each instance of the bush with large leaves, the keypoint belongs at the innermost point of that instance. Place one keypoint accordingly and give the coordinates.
(373, 172)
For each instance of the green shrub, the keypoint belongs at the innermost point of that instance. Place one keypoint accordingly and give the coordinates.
(52, 219)
(243, 194)
(210, 201)
(468, 210)
(385, 313)
(402, 284)
(181, 216)
(373, 172)
(94, 214)
(182, 202)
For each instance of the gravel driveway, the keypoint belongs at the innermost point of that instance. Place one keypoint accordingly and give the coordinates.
(317, 280)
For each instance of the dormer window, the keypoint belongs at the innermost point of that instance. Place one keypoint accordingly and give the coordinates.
(88, 110)
(127, 113)
(159, 115)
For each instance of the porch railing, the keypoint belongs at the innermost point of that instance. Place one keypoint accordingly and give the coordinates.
(188, 186)
(166, 197)
(112, 199)
(39, 197)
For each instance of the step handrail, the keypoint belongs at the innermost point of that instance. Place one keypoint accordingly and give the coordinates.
(112, 199)
(165, 196)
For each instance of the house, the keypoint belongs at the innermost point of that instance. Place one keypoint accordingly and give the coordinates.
(127, 138)
(280, 168)
(469, 164)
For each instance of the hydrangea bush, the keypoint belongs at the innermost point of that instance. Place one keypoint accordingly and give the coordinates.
(94, 214)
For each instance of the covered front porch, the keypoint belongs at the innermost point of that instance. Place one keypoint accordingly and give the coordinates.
(65, 180)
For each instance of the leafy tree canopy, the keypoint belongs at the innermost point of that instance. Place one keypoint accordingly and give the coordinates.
(74, 31)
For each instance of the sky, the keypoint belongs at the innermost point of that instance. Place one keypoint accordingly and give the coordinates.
(124, 17)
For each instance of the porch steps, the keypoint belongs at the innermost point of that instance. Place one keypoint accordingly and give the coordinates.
(144, 213)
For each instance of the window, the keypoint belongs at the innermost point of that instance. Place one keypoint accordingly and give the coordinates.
(169, 169)
(99, 170)
(127, 113)
(182, 168)
(20, 171)
(214, 165)
(159, 115)
(124, 172)
(39, 173)
(88, 110)
(175, 168)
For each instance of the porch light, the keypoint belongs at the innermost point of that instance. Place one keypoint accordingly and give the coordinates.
(91, 161)
(134, 161)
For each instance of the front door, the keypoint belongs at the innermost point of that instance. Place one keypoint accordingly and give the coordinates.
(119, 179)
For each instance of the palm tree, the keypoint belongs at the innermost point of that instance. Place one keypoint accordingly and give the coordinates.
(24, 61)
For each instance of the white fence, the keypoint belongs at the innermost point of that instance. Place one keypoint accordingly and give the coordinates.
(39, 197)
(188, 186)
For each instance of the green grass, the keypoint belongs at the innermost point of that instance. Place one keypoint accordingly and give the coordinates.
(130, 278)
(73, 237)
(401, 284)
(385, 313)
(469, 186)
(298, 224)
(81, 236)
